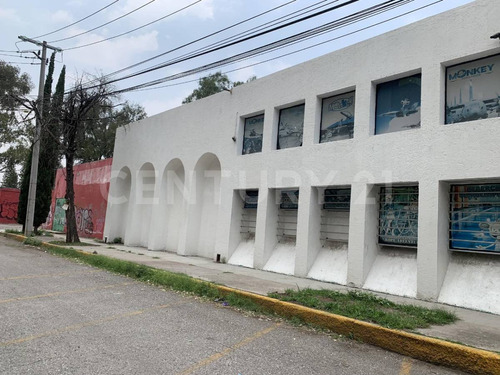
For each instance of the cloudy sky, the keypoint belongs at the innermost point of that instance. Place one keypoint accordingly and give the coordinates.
(172, 26)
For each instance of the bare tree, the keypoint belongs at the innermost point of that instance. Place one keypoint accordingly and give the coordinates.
(77, 105)
(73, 119)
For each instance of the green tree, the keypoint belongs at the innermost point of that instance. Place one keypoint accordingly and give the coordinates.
(212, 84)
(14, 132)
(49, 152)
(77, 106)
(98, 140)
(10, 178)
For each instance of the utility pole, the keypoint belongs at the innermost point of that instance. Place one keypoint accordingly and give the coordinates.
(30, 210)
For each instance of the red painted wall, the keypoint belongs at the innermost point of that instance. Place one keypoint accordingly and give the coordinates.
(91, 198)
(9, 199)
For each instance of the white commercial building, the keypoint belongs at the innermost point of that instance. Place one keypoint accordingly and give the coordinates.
(376, 166)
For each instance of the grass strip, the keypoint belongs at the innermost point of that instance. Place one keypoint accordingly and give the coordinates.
(174, 281)
(368, 307)
(357, 305)
(64, 243)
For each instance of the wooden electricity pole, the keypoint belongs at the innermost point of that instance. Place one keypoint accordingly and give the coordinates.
(30, 210)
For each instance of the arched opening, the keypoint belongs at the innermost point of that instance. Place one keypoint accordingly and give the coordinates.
(143, 206)
(172, 200)
(202, 226)
(118, 205)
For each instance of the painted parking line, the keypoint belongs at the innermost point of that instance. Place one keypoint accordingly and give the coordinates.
(406, 367)
(225, 352)
(56, 294)
(23, 277)
(91, 323)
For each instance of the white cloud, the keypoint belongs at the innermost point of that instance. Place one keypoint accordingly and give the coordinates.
(159, 8)
(9, 15)
(113, 54)
(61, 17)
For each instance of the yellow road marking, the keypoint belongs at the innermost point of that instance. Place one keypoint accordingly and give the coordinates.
(405, 367)
(55, 294)
(87, 324)
(216, 356)
(46, 275)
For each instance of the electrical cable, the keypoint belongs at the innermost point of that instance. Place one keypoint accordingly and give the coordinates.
(133, 30)
(74, 23)
(17, 56)
(197, 40)
(21, 63)
(245, 33)
(232, 38)
(104, 24)
(271, 46)
(240, 40)
(302, 49)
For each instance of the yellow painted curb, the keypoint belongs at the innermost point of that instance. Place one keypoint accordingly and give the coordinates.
(475, 361)
(440, 352)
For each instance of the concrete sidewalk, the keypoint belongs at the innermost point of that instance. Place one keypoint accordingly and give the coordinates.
(474, 328)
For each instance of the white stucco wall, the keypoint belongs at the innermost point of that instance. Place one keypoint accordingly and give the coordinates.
(431, 157)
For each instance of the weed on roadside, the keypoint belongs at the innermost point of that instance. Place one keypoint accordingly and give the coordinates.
(368, 307)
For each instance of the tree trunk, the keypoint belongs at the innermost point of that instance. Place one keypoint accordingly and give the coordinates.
(71, 229)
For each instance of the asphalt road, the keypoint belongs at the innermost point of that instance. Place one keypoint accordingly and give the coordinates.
(60, 317)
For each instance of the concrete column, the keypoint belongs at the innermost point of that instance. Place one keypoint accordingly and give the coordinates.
(312, 120)
(267, 222)
(131, 231)
(432, 254)
(227, 238)
(308, 227)
(363, 219)
(157, 229)
(190, 209)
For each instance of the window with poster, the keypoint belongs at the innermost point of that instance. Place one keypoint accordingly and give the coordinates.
(337, 118)
(475, 217)
(291, 127)
(398, 105)
(252, 134)
(289, 200)
(473, 90)
(398, 216)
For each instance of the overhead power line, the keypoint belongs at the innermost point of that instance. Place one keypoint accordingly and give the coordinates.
(273, 22)
(74, 23)
(355, 17)
(17, 56)
(301, 49)
(198, 40)
(20, 63)
(238, 41)
(251, 31)
(104, 24)
(137, 28)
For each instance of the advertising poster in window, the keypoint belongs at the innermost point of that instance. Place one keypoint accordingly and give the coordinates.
(337, 199)
(398, 105)
(337, 118)
(475, 217)
(289, 200)
(473, 90)
(252, 135)
(251, 199)
(398, 216)
(291, 127)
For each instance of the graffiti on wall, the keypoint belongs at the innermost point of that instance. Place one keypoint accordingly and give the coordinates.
(59, 216)
(8, 210)
(84, 218)
(84, 223)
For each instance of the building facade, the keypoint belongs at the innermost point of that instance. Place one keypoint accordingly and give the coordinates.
(375, 166)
